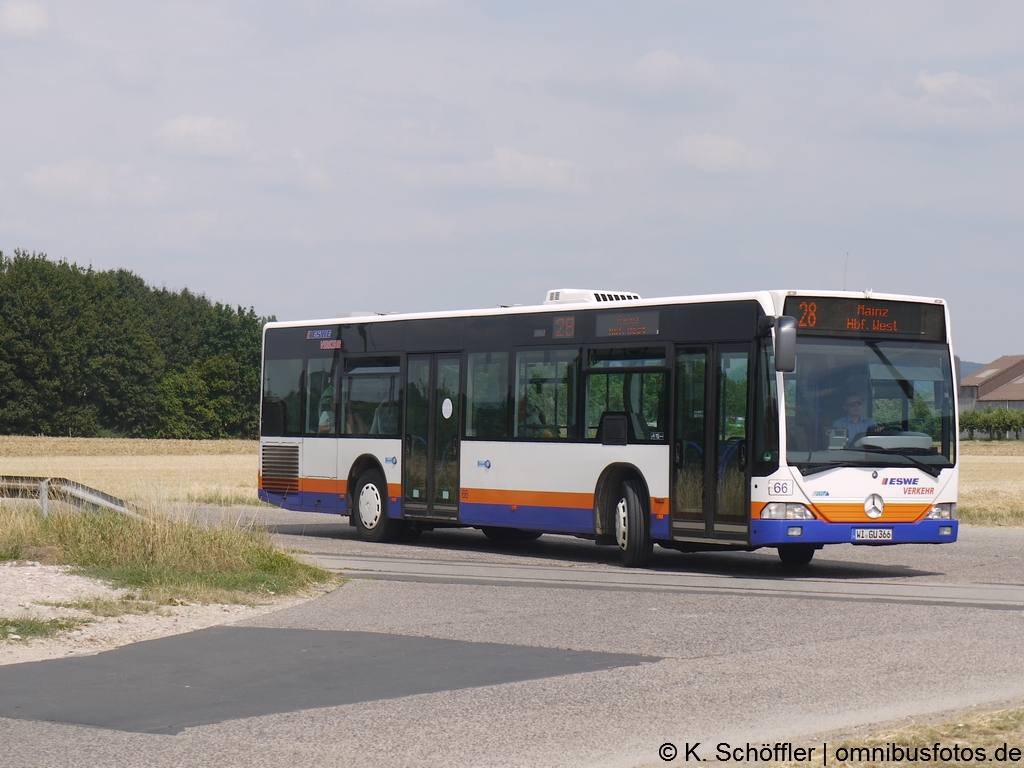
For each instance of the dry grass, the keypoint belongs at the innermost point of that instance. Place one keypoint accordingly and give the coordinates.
(150, 473)
(27, 628)
(992, 447)
(15, 446)
(989, 732)
(161, 560)
(992, 484)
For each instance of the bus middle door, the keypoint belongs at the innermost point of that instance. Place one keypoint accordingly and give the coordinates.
(433, 413)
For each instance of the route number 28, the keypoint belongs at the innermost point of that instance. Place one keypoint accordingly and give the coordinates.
(809, 316)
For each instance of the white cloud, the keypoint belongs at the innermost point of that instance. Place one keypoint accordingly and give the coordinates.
(427, 227)
(518, 168)
(192, 136)
(289, 168)
(712, 152)
(90, 182)
(955, 87)
(184, 229)
(132, 71)
(507, 167)
(23, 21)
(661, 70)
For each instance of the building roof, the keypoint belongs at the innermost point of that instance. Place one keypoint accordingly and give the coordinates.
(1014, 390)
(986, 372)
(1008, 370)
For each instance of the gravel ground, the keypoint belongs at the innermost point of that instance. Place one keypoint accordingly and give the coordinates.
(26, 587)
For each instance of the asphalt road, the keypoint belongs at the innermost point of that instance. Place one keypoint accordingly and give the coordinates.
(735, 649)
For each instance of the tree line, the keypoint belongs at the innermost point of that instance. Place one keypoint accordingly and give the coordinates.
(93, 354)
(995, 422)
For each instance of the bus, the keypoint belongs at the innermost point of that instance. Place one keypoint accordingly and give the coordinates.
(780, 419)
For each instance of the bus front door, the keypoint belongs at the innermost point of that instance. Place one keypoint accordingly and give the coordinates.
(709, 453)
(432, 418)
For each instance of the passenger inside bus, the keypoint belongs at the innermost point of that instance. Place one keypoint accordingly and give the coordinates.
(326, 408)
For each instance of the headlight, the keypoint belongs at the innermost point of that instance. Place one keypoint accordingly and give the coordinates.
(778, 510)
(941, 512)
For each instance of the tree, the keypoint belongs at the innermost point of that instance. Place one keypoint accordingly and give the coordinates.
(93, 353)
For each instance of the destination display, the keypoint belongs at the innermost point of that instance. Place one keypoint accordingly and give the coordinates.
(867, 318)
(627, 323)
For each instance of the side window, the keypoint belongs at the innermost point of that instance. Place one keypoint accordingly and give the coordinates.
(630, 382)
(371, 397)
(320, 397)
(282, 398)
(487, 395)
(546, 394)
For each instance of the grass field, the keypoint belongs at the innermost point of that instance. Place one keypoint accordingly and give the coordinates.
(156, 473)
(992, 482)
(150, 473)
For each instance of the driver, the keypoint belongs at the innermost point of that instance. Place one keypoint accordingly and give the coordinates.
(852, 421)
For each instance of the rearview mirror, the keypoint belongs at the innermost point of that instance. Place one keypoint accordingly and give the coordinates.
(785, 344)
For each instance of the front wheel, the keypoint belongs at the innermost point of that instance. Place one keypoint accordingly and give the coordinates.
(796, 555)
(632, 526)
(370, 514)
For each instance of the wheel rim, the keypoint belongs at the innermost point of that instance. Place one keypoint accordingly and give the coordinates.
(370, 506)
(622, 523)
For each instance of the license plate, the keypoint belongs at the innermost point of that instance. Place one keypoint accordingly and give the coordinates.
(872, 534)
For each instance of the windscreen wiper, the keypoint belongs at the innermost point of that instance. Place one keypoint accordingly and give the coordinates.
(816, 468)
(932, 469)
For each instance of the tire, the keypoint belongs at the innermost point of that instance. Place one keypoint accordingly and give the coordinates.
(796, 555)
(508, 535)
(632, 526)
(370, 509)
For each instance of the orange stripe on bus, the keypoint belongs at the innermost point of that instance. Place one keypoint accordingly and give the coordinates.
(529, 498)
(854, 513)
(322, 485)
(659, 507)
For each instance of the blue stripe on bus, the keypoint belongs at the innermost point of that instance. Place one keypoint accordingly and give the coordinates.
(770, 533)
(306, 501)
(553, 519)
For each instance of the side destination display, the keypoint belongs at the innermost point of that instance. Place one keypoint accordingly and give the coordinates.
(863, 318)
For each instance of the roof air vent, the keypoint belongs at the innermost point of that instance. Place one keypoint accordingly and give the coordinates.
(582, 295)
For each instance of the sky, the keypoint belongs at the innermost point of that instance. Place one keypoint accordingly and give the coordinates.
(308, 159)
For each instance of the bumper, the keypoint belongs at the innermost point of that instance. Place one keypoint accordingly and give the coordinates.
(770, 533)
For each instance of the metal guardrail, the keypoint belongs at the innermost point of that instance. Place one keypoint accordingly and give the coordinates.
(47, 489)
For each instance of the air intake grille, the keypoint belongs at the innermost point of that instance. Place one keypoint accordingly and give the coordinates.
(279, 468)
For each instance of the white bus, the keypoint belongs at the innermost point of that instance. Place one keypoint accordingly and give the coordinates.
(785, 419)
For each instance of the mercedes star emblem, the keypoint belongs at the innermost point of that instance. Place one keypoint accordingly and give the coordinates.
(873, 506)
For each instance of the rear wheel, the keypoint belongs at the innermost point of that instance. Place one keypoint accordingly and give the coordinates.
(796, 555)
(370, 513)
(632, 526)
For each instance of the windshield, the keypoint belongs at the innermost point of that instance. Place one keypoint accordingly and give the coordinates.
(865, 402)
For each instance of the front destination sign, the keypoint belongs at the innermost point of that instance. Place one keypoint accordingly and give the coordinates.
(867, 318)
